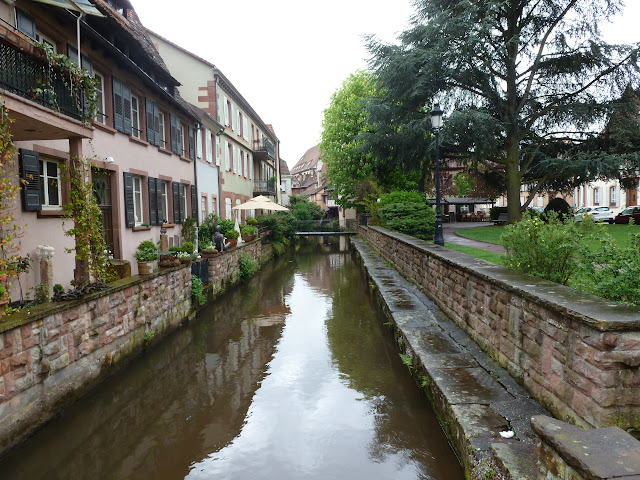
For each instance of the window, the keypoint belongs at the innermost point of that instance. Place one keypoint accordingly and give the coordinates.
(164, 204)
(160, 132)
(50, 185)
(203, 208)
(217, 147)
(250, 162)
(182, 148)
(208, 144)
(42, 38)
(228, 115)
(238, 212)
(137, 200)
(236, 160)
(229, 156)
(246, 165)
(25, 23)
(240, 124)
(596, 196)
(121, 106)
(135, 117)
(214, 205)
(540, 200)
(227, 207)
(613, 197)
(100, 113)
(73, 56)
(183, 200)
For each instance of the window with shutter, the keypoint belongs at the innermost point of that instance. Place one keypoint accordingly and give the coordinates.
(158, 125)
(246, 165)
(128, 200)
(183, 202)
(250, 159)
(160, 197)
(126, 109)
(245, 130)
(118, 106)
(194, 202)
(153, 202)
(25, 23)
(30, 177)
(175, 189)
(207, 134)
(217, 144)
(151, 133)
(225, 107)
(199, 142)
(181, 142)
(173, 132)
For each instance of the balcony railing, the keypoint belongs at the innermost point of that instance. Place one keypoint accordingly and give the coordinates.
(263, 187)
(268, 147)
(26, 73)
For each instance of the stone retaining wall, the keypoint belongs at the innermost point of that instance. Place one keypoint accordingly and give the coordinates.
(55, 352)
(577, 354)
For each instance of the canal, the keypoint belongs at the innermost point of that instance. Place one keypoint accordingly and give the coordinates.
(291, 376)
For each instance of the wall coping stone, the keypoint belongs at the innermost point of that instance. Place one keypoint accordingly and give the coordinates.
(38, 312)
(600, 314)
(595, 453)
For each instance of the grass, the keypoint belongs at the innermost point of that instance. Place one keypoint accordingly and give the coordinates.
(476, 252)
(491, 234)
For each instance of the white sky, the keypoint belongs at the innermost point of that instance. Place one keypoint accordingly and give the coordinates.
(287, 57)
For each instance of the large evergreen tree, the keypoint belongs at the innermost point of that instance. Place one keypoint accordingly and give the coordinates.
(528, 85)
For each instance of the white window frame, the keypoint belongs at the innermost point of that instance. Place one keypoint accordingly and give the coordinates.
(229, 155)
(165, 201)
(214, 205)
(596, 196)
(138, 203)
(208, 146)
(183, 144)
(135, 117)
(44, 178)
(217, 147)
(183, 200)
(227, 205)
(540, 201)
(101, 117)
(238, 212)
(42, 38)
(613, 196)
(163, 133)
(203, 208)
(199, 142)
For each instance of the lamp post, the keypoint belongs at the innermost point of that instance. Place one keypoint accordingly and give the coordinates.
(436, 123)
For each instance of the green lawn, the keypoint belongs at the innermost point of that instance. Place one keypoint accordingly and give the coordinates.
(491, 234)
(476, 252)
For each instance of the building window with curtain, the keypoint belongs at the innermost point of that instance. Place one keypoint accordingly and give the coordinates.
(596, 196)
(50, 189)
(613, 197)
(227, 208)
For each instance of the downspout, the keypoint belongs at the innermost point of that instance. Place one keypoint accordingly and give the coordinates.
(195, 179)
(215, 103)
(78, 39)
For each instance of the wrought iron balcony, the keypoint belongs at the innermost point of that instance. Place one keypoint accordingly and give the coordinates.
(24, 71)
(264, 187)
(267, 147)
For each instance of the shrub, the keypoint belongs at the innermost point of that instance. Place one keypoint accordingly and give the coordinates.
(415, 219)
(58, 289)
(560, 207)
(175, 249)
(248, 266)
(252, 221)
(187, 247)
(147, 251)
(547, 250)
(248, 230)
(188, 232)
(3, 292)
(278, 248)
(41, 293)
(282, 225)
(231, 234)
(197, 295)
(226, 225)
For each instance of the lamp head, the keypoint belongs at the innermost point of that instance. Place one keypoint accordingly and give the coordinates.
(436, 117)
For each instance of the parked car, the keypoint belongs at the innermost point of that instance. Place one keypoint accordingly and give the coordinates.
(629, 212)
(599, 214)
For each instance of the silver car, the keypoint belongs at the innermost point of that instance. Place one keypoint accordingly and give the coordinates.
(599, 214)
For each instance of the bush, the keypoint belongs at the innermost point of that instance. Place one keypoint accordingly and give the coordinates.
(231, 234)
(282, 226)
(401, 196)
(147, 251)
(415, 219)
(248, 266)
(175, 249)
(187, 247)
(252, 221)
(197, 292)
(226, 225)
(188, 232)
(544, 249)
(560, 207)
(248, 230)
(58, 290)
(278, 248)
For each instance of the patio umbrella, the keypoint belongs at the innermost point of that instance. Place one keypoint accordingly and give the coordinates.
(260, 203)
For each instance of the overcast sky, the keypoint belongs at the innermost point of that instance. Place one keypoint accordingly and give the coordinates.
(286, 57)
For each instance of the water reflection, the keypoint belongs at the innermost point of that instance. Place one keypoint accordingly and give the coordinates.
(290, 376)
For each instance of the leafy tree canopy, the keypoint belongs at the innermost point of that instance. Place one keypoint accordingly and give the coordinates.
(528, 84)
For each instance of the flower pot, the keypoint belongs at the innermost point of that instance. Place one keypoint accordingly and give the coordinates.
(185, 260)
(249, 238)
(169, 263)
(3, 306)
(145, 268)
(209, 253)
(233, 242)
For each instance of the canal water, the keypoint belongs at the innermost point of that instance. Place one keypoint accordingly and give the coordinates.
(292, 376)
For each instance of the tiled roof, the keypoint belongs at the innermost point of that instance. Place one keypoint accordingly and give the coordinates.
(309, 160)
(284, 168)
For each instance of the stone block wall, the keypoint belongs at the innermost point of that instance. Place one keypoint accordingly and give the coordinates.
(223, 268)
(56, 352)
(577, 354)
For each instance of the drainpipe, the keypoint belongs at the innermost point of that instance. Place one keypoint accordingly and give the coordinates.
(215, 102)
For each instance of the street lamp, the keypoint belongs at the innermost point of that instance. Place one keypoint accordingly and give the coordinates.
(436, 123)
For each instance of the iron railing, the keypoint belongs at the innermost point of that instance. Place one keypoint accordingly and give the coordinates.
(268, 147)
(264, 187)
(27, 74)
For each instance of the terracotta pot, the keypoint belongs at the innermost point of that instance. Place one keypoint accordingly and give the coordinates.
(249, 238)
(145, 268)
(185, 260)
(233, 242)
(168, 263)
(3, 305)
(209, 253)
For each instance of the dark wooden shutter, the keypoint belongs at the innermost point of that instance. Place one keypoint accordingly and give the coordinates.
(173, 121)
(175, 188)
(194, 202)
(181, 203)
(118, 105)
(153, 202)
(159, 202)
(156, 124)
(192, 143)
(126, 106)
(128, 200)
(180, 140)
(151, 133)
(30, 175)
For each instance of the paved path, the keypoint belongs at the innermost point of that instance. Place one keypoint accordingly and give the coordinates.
(449, 232)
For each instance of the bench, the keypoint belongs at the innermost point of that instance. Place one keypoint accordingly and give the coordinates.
(502, 219)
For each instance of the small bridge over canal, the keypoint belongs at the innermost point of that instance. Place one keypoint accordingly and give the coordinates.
(325, 234)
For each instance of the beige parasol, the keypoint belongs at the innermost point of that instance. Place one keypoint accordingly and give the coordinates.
(260, 203)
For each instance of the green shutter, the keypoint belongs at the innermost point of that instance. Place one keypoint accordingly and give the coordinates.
(159, 202)
(151, 133)
(30, 176)
(153, 202)
(192, 143)
(126, 109)
(194, 203)
(128, 200)
(118, 105)
(173, 121)
(175, 188)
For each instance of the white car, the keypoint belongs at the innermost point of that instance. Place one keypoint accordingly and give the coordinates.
(599, 214)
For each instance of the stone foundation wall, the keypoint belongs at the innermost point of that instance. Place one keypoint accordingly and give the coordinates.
(223, 268)
(577, 354)
(57, 351)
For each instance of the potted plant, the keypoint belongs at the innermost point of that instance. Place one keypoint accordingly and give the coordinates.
(146, 254)
(168, 261)
(249, 232)
(184, 257)
(232, 236)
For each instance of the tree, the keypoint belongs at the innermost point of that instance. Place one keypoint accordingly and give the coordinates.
(529, 84)
(348, 168)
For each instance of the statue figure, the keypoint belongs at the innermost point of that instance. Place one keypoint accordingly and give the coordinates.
(218, 239)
